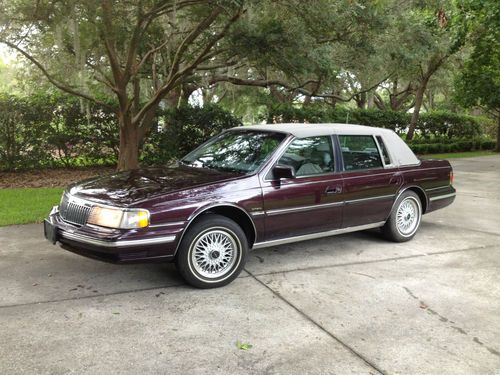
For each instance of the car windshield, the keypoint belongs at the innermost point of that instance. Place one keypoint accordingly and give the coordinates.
(235, 151)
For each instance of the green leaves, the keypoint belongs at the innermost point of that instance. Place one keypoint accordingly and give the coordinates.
(479, 82)
(243, 346)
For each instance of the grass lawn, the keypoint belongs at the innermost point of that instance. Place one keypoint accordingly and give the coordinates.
(452, 155)
(27, 205)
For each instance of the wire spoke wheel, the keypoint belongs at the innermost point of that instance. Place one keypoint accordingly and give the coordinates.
(407, 216)
(214, 253)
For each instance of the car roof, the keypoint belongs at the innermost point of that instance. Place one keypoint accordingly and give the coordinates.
(314, 130)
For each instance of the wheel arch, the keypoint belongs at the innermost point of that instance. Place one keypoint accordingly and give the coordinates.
(230, 210)
(417, 190)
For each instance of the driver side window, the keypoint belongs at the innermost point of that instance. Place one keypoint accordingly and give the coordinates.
(309, 156)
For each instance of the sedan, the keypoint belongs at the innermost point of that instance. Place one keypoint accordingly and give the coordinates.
(252, 187)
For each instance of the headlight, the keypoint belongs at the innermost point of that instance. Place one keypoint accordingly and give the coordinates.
(118, 218)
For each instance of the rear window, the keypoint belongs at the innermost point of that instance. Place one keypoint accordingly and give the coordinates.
(359, 152)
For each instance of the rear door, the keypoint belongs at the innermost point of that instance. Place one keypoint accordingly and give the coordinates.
(370, 180)
(312, 201)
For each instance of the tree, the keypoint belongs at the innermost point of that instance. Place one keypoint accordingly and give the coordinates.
(303, 52)
(140, 55)
(429, 33)
(137, 53)
(479, 82)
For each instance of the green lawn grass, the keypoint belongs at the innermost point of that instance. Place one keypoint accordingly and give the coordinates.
(452, 155)
(27, 205)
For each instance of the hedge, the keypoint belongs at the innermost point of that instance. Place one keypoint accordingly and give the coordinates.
(435, 132)
(430, 125)
(52, 131)
(183, 129)
(454, 146)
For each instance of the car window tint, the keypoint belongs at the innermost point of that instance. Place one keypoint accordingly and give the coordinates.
(383, 150)
(359, 152)
(309, 156)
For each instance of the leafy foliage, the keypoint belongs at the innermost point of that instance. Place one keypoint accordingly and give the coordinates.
(24, 129)
(479, 82)
(53, 131)
(430, 125)
(184, 129)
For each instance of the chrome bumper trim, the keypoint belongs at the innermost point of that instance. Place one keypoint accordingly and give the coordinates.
(313, 236)
(442, 197)
(120, 243)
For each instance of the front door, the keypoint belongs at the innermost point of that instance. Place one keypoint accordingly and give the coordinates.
(370, 181)
(312, 200)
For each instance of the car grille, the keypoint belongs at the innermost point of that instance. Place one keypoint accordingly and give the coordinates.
(73, 211)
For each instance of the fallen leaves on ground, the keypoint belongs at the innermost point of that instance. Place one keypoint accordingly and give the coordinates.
(57, 177)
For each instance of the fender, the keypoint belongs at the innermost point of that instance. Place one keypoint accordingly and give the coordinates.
(208, 207)
(405, 188)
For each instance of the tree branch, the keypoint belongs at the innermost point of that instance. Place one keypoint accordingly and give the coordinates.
(174, 79)
(60, 85)
(110, 48)
(286, 85)
(190, 38)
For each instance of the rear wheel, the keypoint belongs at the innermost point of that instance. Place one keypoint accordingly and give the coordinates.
(212, 253)
(405, 218)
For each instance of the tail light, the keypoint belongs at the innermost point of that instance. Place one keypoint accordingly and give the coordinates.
(452, 177)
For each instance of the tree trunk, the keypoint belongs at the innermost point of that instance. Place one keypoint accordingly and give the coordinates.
(419, 96)
(128, 157)
(497, 149)
(360, 100)
(370, 104)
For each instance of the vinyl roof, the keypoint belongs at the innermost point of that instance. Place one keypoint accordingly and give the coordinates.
(313, 130)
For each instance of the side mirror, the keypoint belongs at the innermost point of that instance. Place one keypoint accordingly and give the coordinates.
(283, 171)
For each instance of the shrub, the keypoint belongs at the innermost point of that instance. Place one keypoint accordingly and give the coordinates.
(448, 124)
(50, 131)
(487, 144)
(47, 131)
(432, 127)
(396, 121)
(24, 128)
(183, 129)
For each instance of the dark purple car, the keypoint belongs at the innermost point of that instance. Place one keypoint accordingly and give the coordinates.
(252, 187)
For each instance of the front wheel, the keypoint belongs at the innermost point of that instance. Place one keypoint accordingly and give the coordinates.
(405, 218)
(212, 253)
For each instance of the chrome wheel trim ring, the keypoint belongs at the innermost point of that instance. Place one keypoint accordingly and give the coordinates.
(214, 254)
(408, 216)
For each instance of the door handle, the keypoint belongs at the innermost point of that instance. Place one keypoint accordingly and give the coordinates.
(333, 190)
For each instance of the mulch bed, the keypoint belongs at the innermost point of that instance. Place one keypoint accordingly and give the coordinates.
(59, 177)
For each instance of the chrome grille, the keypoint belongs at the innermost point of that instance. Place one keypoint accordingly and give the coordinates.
(74, 211)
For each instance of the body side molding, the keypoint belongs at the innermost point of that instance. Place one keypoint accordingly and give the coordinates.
(282, 241)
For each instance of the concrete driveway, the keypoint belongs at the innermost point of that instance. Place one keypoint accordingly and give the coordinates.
(343, 305)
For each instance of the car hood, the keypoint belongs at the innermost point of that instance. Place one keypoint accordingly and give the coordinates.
(128, 187)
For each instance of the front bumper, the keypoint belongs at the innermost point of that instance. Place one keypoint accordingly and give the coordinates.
(113, 245)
